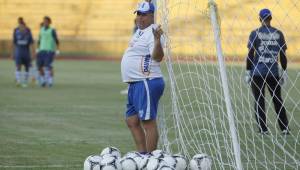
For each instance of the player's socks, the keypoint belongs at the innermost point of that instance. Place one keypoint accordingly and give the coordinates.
(18, 77)
(42, 81)
(48, 77)
(26, 77)
(50, 81)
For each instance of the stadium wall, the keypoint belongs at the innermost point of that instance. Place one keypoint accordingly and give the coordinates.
(103, 27)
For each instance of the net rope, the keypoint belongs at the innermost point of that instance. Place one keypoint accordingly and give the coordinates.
(193, 116)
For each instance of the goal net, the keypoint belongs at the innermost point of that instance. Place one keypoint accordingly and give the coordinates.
(196, 115)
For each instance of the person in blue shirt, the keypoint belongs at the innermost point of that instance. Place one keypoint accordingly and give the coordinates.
(22, 44)
(265, 44)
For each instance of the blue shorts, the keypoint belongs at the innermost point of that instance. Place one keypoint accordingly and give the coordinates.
(23, 60)
(45, 59)
(143, 98)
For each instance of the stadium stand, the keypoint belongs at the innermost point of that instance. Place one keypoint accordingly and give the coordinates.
(103, 27)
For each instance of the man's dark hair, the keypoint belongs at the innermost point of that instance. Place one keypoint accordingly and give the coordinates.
(48, 18)
(21, 21)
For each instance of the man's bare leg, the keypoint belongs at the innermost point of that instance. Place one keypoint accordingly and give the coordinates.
(134, 124)
(152, 136)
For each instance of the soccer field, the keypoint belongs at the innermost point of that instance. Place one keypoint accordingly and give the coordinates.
(58, 127)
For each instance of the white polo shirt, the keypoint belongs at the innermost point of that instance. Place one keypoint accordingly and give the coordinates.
(137, 63)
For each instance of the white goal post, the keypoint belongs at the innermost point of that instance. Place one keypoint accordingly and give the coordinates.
(231, 122)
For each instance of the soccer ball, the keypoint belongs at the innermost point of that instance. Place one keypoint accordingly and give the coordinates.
(142, 161)
(159, 153)
(111, 150)
(132, 154)
(110, 162)
(129, 163)
(153, 163)
(92, 163)
(181, 162)
(201, 162)
(166, 167)
(169, 160)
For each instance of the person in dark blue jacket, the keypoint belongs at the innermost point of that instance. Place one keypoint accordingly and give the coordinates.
(22, 50)
(265, 44)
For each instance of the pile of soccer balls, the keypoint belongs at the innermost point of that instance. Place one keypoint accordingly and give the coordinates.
(110, 159)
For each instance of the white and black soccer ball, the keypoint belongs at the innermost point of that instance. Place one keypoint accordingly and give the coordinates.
(169, 160)
(159, 153)
(201, 162)
(142, 161)
(92, 162)
(132, 154)
(111, 150)
(166, 167)
(110, 162)
(181, 162)
(128, 163)
(153, 163)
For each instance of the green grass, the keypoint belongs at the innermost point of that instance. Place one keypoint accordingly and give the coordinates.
(202, 125)
(61, 126)
(58, 127)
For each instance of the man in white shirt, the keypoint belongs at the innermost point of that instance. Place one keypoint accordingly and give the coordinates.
(140, 68)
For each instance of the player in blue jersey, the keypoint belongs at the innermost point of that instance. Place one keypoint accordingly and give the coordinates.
(22, 50)
(48, 45)
(140, 68)
(265, 44)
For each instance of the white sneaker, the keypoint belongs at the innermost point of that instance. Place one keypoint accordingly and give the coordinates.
(285, 132)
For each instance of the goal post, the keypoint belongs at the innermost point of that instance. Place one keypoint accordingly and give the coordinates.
(222, 69)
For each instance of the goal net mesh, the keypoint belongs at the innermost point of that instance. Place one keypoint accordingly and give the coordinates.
(193, 117)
